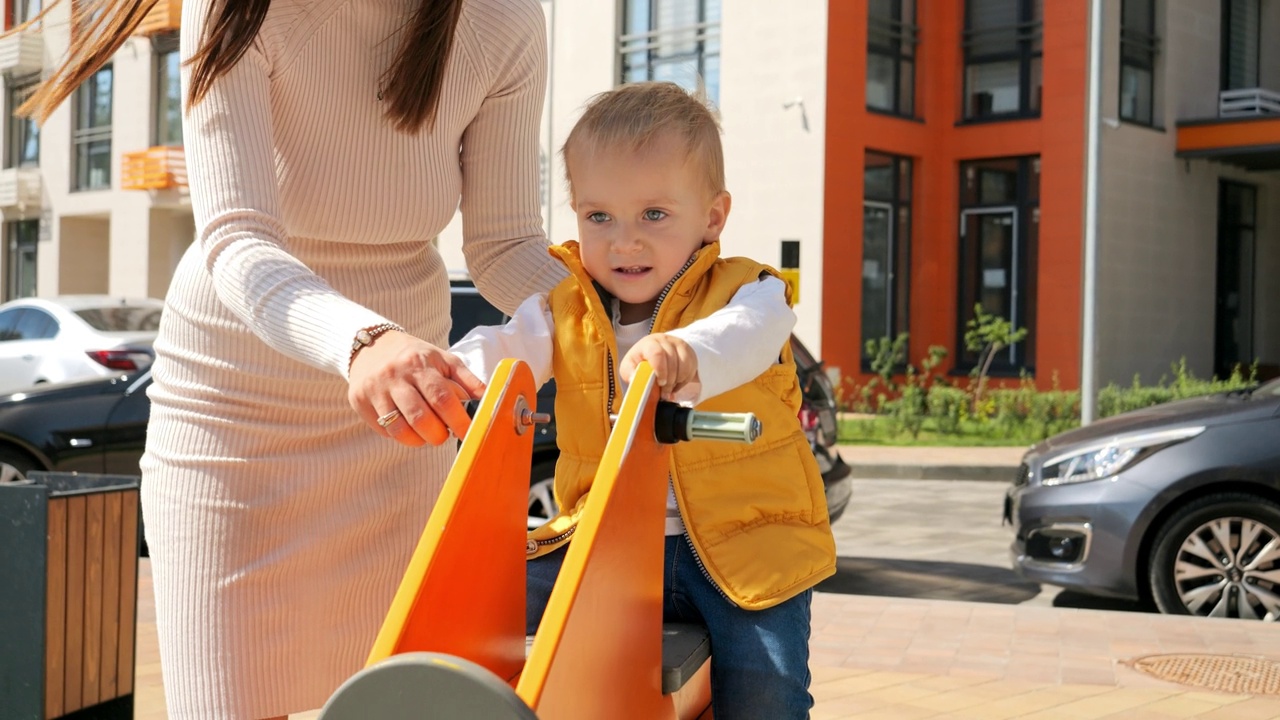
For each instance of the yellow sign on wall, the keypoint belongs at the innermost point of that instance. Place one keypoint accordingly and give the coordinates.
(792, 277)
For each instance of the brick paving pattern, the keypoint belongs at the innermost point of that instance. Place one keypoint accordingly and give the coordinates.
(920, 622)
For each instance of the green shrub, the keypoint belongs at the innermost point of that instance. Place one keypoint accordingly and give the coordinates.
(948, 407)
(1113, 399)
(908, 400)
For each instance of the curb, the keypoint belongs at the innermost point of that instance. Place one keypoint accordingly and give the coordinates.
(990, 473)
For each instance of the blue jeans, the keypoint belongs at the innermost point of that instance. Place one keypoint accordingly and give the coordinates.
(759, 658)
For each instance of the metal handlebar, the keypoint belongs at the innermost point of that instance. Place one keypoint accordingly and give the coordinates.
(673, 423)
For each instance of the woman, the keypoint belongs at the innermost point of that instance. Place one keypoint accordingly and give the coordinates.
(328, 142)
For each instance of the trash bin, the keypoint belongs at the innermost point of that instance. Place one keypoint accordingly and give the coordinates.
(69, 562)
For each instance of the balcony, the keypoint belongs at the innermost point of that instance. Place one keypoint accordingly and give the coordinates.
(1246, 132)
(157, 168)
(20, 189)
(21, 54)
(1250, 102)
(164, 16)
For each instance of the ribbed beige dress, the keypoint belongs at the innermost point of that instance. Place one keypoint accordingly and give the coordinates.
(278, 523)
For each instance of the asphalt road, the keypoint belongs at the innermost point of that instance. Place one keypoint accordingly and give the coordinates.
(937, 539)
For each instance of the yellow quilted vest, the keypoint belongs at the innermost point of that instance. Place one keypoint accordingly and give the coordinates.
(755, 514)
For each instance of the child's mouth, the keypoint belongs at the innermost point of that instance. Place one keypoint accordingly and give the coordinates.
(632, 270)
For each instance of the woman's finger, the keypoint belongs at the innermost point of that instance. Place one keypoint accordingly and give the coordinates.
(466, 380)
(451, 409)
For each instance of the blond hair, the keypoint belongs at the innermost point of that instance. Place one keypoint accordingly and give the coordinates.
(635, 115)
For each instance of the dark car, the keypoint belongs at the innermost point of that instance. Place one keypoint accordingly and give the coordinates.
(99, 426)
(92, 426)
(1177, 504)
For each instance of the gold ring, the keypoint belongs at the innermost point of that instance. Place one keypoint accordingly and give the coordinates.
(389, 418)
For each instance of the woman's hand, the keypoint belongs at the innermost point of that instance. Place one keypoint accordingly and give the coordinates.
(424, 384)
(675, 365)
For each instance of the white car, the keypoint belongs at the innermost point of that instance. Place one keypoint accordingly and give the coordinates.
(74, 337)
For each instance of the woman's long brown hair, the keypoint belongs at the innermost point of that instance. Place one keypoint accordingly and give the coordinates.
(411, 87)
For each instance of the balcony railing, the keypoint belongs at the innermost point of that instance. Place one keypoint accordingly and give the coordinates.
(21, 53)
(157, 168)
(1248, 102)
(164, 16)
(20, 188)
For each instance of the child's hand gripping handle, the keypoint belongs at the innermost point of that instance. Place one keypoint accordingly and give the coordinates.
(673, 423)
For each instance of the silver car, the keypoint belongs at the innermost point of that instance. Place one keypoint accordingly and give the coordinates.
(1177, 504)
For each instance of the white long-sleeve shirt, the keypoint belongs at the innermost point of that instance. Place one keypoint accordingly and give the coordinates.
(733, 345)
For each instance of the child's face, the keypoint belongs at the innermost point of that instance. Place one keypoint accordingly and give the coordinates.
(640, 217)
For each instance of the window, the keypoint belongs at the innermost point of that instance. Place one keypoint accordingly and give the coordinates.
(1233, 341)
(23, 149)
(91, 135)
(886, 247)
(675, 40)
(27, 324)
(168, 90)
(1003, 45)
(999, 239)
(36, 324)
(1241, 44)
(891, 51)
(1138, 48)
(22, 11)
(20, 259)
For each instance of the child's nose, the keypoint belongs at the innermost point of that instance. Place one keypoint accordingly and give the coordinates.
(627, 241)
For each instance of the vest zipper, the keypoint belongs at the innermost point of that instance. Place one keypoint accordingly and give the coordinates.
(706, 574)
(657, 305)
(551, 541)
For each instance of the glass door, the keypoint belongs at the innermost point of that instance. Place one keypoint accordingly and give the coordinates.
(877, 270)
(1233, 315)
(989, 265)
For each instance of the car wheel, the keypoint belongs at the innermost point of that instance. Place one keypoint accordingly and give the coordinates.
(14, 466)
(542, 498)
(1220, 557)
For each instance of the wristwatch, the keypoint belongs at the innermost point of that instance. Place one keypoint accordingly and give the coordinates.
(365, 337)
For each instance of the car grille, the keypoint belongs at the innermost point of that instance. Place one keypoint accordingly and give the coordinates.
(1024, 475)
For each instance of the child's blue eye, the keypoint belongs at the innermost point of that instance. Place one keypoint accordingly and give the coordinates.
(654, 215)
(598, 217)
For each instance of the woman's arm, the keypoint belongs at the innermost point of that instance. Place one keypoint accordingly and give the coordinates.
(503, 239)
(235, 199)
(228, 139)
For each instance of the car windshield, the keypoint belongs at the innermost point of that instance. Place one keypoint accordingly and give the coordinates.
(122, 318)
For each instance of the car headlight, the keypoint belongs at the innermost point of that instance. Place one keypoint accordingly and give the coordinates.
(1104, 459)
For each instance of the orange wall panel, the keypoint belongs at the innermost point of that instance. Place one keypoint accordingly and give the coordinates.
(937, 143)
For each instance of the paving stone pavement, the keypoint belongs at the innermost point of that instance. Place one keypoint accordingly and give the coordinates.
(925, 620)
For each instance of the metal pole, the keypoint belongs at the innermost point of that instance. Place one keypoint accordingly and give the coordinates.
(1088, 329)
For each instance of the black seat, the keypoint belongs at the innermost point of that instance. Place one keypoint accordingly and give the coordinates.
(684, 648)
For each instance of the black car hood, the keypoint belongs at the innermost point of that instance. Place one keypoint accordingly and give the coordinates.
(1222, 409)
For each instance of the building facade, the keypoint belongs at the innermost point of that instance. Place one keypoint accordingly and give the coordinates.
(93, 201)
(963, 130)
(906, 159)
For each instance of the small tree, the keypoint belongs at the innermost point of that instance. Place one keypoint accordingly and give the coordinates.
(987, 335)
(887, 355)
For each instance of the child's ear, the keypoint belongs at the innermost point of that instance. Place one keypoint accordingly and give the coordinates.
(717, 216)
